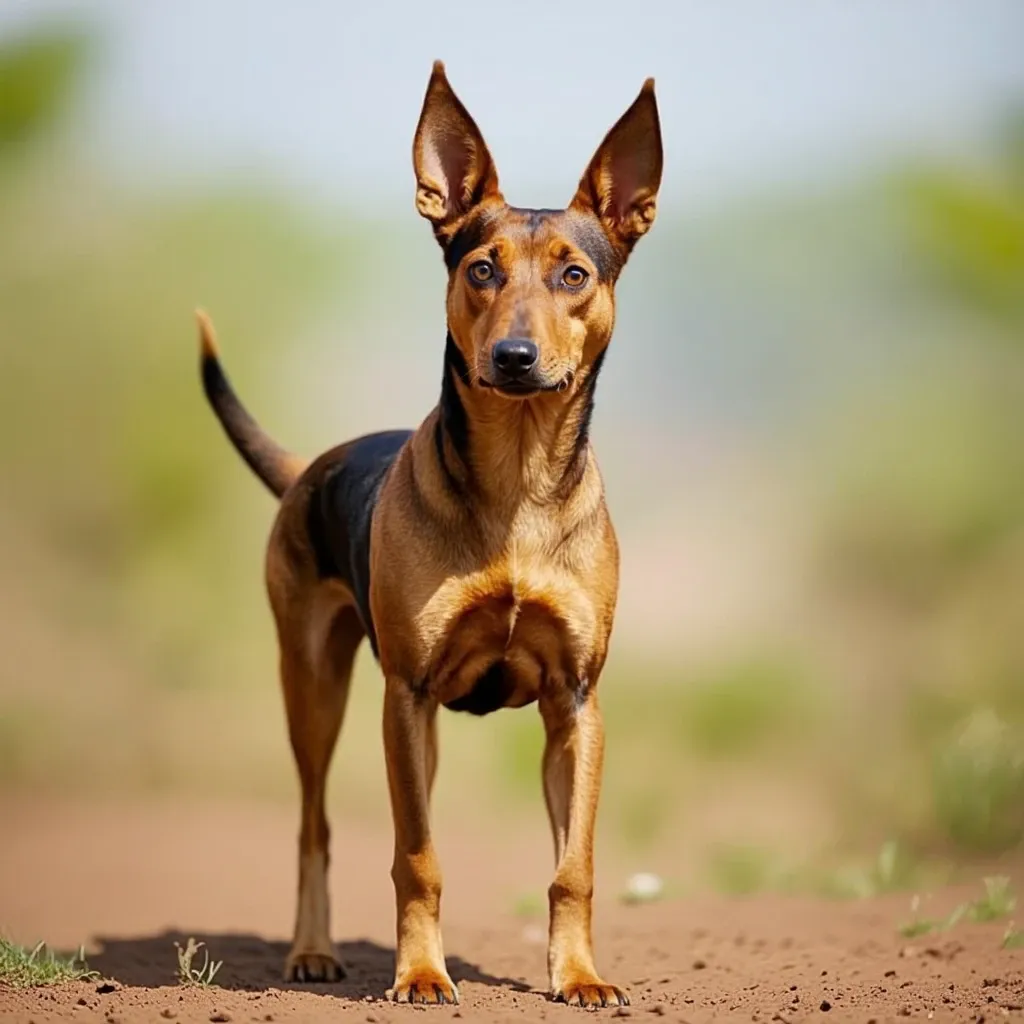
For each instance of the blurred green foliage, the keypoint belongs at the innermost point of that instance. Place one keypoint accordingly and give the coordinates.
(734, 710)
(130, 571)
(970, 230)
(38, 77)
(979, 785)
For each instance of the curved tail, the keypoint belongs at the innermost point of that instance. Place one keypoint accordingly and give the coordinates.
(277, 468)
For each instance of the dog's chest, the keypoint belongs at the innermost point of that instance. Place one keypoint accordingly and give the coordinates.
(493, 638)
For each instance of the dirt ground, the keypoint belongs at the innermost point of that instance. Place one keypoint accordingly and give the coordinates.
(128, 881)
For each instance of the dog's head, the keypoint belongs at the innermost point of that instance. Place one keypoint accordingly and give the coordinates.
(531, 292)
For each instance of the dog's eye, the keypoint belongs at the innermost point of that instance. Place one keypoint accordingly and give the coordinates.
(480, 272)
(574, 277)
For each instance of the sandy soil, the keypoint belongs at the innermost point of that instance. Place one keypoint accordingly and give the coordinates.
(129, 881)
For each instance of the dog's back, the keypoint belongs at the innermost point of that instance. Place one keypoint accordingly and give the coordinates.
(340, 514)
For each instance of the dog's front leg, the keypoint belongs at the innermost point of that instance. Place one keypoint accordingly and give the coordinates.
(573, 756)
(420, 973)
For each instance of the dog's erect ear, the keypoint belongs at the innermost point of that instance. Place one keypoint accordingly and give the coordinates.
(621, 183)
(454, 170)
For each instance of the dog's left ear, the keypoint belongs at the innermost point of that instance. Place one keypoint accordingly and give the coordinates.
(454, 169)
(621, 184)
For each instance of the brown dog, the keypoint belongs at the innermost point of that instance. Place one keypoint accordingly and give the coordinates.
(475, 553)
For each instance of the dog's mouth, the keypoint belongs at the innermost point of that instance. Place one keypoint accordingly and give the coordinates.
(526, 388)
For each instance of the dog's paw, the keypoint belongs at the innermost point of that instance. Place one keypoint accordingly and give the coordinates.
(303, 967)
(589, 991)
(424, 985)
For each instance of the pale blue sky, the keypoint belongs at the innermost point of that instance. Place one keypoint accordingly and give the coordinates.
(326, 94)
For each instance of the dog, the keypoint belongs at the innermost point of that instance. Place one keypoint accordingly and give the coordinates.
(476, 553)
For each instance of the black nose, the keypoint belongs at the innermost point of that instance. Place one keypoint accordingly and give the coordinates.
(515, 357)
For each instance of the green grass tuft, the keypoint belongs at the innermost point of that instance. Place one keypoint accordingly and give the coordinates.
(740, 870)
(21, 967)
(998, 901)
(200, 976)
(891, 871)
(894, 869)
(918, 926)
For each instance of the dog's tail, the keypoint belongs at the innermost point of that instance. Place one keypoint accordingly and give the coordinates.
(277, 468)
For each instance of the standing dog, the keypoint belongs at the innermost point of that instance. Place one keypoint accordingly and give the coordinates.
(476, 553)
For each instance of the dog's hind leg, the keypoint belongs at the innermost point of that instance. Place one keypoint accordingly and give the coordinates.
(315, 675)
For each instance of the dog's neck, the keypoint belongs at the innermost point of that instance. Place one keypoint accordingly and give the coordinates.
(503, 452)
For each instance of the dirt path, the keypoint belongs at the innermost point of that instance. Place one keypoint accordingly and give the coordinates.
(130, 881)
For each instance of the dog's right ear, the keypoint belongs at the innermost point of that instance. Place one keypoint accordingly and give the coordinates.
(454, 169)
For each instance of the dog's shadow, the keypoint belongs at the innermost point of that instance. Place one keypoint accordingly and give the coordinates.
(252, 964)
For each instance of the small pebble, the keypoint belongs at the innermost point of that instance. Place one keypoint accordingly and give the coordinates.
(643, 887)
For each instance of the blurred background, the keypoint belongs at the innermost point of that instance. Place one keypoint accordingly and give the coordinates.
(811, 421)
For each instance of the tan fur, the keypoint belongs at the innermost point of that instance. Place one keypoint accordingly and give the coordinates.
(500, 553)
